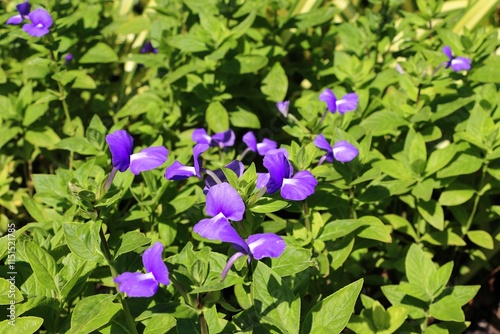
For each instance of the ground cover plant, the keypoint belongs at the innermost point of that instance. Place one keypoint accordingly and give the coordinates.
(230, 166)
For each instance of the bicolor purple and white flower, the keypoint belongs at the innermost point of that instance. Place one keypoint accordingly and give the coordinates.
(342, 151)
(283, 107)
(456, 63)
(178, 171)
(261, 148)
(292, 186)
(41, 21)
(220, 139)
(136, 284)
(225, 204)
(23, 9)
(348, 102)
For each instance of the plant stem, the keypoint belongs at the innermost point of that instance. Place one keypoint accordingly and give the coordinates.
(62, 97)
(203, 324)
(305, 212)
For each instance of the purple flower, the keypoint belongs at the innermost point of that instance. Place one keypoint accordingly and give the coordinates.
(23, 10)
(224, 204)
(41, 21)
(261, 148)
(295, 187)
(148, 48)
(121, 145)
(347, 103)
(178, 171)
(145, 285)
(456, 63)
(283, 107)
(221, 139)
(236, 166)
(68, 57)
(342, 151)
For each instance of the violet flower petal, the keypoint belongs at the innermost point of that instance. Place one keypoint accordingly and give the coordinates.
(148, 159)
(344, 151)
(322, 143)
(266, 146)
(283, 107)
(250, 140)
(24, 8)
(262, 180)
(223, 139)
(347, 103)
(137, 284)
(299, 187)
(330, 99)
(447, 52)
(222, 198)
(178, 171)
(121, 145)
(219, 228)
(266, 245)
(198, 150)
(16, 19)
(200, 136)
(460, 64)
(153, 262)
(41, 21)
(279, 168)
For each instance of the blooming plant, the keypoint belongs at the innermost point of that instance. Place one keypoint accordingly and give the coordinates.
(280, 158)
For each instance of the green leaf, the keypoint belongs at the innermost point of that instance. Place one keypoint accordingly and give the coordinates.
(383, 122)
(93, 312)
(463, 165)
(456, 194)
(394, 168)
(397, 316)
(462, 293)
(8, 133)
(447, 309)
(275, 302)
(187, 43)
(418, 267)
(77, 144)
(447, 327)
(140, 104)
(34, 112)
(131, 241)
(340, 228)
(332, 314)
(432, 212)
(268, 204)
(376, 230)
(481, 238)
(244, 63)
(159, 323)
(216, 117)
(439, 279)
(244, 119)
(42, 137)
(43, 265)
(11, 292)
(83, 240)
(292, 261)
(25, 325)
(340, 252)
(275, 84)
(100, 53)
(417, 152)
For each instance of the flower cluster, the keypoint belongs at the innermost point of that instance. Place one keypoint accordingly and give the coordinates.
(40, 20)
(223, 203)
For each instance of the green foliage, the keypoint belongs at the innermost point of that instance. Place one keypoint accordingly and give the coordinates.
(411, 216)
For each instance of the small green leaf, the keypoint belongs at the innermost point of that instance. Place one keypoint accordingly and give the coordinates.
(394, 168)
(25, 325)
(456, 194)
(439, 279)
(481, 238)
(275, 84)
(83, 240)
(463, 165)
(100, 53)
(93, 312)
(432, 212)
(331, 314)
(130, 242)
(42, 137)
(292, 261)
(34, 112)
(77, 144)
(244, 119)
(275, 302)
(159, 323)
(43, 265)
(11, 292)
(216, 117)
(268, 204)
(418, 266)
(447, 309)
